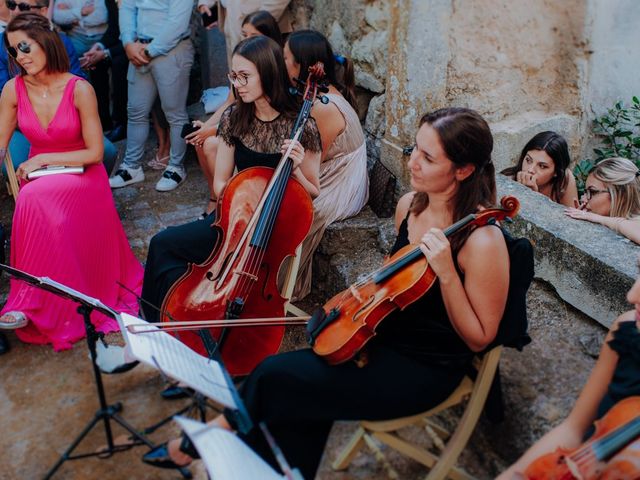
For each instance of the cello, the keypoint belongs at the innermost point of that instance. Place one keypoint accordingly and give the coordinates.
(262, 216)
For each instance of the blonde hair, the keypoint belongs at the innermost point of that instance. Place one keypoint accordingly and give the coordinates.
(622, 179)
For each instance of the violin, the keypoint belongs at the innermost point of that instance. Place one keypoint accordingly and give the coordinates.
(349, 320)
(262, 216)
(612, 453)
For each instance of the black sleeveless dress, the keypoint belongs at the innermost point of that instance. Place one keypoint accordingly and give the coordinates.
(415, 362)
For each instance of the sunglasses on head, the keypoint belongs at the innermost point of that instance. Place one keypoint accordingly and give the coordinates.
(23, 46)
(23, 7)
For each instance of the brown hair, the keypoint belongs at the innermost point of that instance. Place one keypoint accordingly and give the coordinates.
(309, 47)
(466, 140)
(622, 179)
(554, 145)
(264, 22)
(40, 30)
(267, 56)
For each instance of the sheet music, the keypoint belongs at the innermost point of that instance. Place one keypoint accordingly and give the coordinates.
(175, 359)
(225, 455)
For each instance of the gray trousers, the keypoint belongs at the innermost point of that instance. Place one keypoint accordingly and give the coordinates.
(166, 76)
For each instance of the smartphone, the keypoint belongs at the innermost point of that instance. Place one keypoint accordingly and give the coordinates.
(188, 128)
(209, 19)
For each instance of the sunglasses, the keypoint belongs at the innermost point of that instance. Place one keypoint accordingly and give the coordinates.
(23, 7)
(23, 46)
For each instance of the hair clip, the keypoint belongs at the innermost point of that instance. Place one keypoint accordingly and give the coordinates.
(340, 59)
(637, 173)
(51, 26)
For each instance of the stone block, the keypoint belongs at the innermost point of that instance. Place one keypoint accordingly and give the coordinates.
(590, 266)
(511, 135)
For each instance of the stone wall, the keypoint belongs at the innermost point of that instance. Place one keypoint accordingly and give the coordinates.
(527, 66)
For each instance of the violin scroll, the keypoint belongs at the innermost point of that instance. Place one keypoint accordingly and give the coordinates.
(510, 206)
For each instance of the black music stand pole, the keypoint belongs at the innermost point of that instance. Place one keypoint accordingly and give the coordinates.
(105, 413)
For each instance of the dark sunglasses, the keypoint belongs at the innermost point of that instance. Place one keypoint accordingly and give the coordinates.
(23, 7)
(23, 46)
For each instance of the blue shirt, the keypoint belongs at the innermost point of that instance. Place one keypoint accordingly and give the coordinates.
(6, 73)
(164, 21)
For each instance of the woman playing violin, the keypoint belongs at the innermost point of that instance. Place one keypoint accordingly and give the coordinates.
(615, 376)
(420, 354)
(254, 132)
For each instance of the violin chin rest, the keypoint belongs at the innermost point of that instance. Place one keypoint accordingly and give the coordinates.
(318, 322)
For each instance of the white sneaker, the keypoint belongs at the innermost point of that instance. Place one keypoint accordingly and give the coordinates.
(126, 176)
(171, 178)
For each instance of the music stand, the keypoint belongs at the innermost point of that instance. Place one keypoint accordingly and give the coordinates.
(106, 412)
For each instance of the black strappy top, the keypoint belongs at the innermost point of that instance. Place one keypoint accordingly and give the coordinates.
(423, 331)
(626, 377)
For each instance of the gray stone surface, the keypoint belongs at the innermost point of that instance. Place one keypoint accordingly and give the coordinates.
(590, 266)
(511, 135)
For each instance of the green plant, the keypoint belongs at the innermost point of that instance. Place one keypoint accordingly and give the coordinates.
(619, 130)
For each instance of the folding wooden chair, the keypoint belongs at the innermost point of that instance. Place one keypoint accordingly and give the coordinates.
(474, 392)
(290, 283)
(511, 333)
(12, 181)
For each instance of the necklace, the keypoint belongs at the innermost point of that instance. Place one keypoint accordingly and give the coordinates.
(45, 94)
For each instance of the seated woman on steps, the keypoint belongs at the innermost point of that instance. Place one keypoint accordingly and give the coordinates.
(344, 184)
(420, 354)
(65, 226)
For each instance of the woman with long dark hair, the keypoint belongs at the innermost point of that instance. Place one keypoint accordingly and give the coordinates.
(253, 132)
(420, 354)
(543, 166)
(204, 139)
(344, 184)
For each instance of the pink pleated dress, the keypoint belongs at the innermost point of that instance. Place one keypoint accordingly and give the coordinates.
(66, 227)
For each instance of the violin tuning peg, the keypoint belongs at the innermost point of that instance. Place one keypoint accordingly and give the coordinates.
(324, 99)
(294, 91)
(508, 219)
(491, 221)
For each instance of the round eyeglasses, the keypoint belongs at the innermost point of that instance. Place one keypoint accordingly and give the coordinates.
(238, 78)
(590, 192)
(23, 46)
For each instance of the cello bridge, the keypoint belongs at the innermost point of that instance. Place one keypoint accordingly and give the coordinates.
(354, 292)
(251, 276)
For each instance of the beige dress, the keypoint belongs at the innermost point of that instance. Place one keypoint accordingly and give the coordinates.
(344, 187)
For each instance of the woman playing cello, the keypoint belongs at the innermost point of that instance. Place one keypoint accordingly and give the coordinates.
(253, 133)
(420, 354)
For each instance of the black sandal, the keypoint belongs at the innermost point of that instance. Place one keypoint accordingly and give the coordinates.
(204, 215)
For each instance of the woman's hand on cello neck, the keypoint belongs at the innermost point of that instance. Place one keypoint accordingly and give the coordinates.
(306, 166)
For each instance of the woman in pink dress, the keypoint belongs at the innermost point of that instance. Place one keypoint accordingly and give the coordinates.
(65, 226)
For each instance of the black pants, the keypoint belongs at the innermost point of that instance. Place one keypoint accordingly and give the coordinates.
(169, 253)
(298, 395)
(100, 80)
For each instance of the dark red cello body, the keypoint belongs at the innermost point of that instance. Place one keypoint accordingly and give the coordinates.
(262, 216)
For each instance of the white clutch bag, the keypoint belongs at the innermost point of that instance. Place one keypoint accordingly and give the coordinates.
(54, 170)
